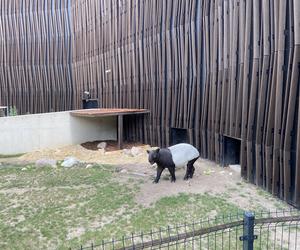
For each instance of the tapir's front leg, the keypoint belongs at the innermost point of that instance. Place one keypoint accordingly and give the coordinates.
(172, 172)
(159, 171)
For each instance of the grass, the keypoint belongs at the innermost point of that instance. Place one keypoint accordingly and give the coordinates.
(10, 156)
(57, 208)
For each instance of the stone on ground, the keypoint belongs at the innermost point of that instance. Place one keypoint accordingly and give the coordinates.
(135, 151)
(127, 151)
(89, 166)
(102, 145)
(236, 168)
(69, 162)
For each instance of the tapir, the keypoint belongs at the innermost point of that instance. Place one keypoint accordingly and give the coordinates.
(179, 155)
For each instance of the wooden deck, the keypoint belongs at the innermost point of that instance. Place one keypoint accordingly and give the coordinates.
(107, 112)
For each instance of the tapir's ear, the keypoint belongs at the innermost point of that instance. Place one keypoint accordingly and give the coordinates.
(148, 151)
(157, 150)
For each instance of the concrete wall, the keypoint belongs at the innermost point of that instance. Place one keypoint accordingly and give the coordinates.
(26, 133)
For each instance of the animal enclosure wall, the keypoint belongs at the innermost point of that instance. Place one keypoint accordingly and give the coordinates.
(27, 133)
(213, 67)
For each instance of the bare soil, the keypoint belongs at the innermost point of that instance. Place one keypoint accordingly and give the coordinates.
(208, 178)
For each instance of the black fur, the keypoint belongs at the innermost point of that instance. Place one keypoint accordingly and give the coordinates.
(163, 159)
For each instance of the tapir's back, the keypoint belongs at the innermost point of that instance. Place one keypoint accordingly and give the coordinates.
(182, 153)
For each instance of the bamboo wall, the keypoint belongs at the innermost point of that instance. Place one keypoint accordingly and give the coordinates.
(35, 59)
(214, 67)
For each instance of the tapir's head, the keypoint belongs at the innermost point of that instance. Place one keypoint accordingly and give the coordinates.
(153, 156)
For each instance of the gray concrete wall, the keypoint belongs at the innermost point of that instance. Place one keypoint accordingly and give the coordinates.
(26, 133)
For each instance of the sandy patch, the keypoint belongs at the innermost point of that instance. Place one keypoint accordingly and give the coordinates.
(112, 157)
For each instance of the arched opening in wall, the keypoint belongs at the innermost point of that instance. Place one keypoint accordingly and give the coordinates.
(232, 151)
(178, 135)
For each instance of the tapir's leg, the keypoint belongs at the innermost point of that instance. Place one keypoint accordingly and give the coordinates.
(159, 171)
(172, 172)
(191, 168)
(187, 174)
(192, 171)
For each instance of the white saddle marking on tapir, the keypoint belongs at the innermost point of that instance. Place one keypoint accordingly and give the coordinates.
(182, 153)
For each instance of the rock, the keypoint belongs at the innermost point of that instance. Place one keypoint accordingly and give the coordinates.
(236, 168)
(24, 169)
(45, 162)
(127, 152)
(102, 145)
(89, 166)
(70, 162)
(123, 171)
(101, 151)
(136, 151)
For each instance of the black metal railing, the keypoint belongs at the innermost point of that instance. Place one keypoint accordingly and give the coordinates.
(264, 230)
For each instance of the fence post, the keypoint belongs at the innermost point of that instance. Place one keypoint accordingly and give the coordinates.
(248, 231)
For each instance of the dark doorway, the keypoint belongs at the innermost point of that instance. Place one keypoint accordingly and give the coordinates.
(232, 150)
(178, 135)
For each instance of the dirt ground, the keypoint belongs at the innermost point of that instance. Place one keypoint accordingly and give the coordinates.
(88, 153)
(209, 177)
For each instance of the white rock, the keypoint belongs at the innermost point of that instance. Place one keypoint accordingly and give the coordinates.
(24, 169)
(127, 151)
(45, 162)
(236, 168)
(123, 171)
(70, 162)
(136, 151)
(89, 166)
(101, 150)
(102, 145)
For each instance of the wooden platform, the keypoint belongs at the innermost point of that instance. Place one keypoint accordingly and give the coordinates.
(102, 112)
(107, 112)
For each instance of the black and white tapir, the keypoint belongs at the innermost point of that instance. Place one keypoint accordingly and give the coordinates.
(176, 156)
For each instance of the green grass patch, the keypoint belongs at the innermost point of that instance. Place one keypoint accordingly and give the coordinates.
(59, 208)
(10, 156)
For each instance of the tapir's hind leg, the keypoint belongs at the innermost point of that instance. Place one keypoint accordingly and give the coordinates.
(190, 168)
(172, 172)
(186, 177)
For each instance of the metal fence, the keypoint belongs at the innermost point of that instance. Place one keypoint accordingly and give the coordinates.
(264, 230)
(212, 67)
